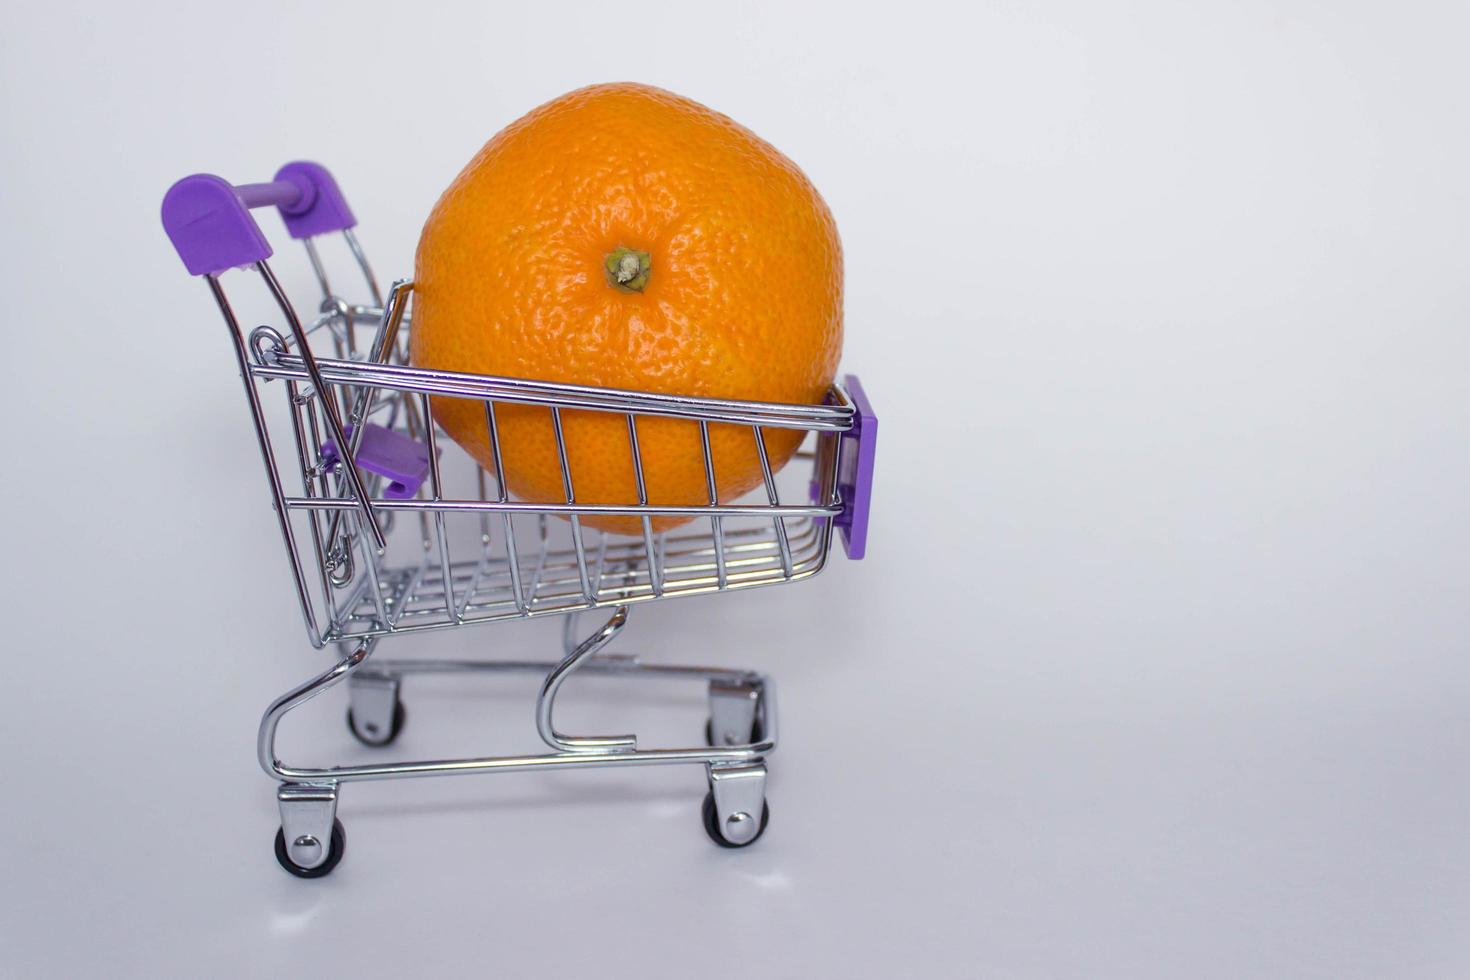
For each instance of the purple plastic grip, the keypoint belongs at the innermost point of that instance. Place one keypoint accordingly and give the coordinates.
(208, 220)
(321, 209)
(855, 476)
(210, 226)
(282, 193)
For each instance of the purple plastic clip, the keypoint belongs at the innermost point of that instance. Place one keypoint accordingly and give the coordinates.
(208, 219)
(855, 473)
(404, 461)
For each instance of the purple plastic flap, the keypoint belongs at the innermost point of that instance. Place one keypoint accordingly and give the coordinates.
(404, 461)
(321, 207)
(855, 471)
(211, 227)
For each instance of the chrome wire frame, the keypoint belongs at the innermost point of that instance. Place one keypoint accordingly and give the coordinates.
(352, 595)
(515, 574)
(572, 753)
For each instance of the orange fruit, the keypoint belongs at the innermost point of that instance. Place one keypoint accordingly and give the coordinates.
(626, 237)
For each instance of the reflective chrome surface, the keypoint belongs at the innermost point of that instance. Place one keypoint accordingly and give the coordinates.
(307, 813)
(366, 566)
(740, 796)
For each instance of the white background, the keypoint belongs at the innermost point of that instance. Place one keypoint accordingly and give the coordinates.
(1156, 668)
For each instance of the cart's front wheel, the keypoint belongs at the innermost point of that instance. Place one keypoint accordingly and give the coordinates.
(334, 855)
(712, 823)
(373, 736)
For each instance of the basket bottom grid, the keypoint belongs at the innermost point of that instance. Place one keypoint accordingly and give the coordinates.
(618, 572)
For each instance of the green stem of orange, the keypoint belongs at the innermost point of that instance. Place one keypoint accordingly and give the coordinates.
(627, 269)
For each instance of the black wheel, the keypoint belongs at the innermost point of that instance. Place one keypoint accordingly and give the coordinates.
(757, 732)
(712, 823)
(339, 846)
(379, 740)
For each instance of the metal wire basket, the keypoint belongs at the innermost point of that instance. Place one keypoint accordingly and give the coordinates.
(395, 536)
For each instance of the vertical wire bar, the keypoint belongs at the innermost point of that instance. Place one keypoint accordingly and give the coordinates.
(352, 537)
(540, 557)
(349, 327)
(835, 467)
(383, 340)
(566, 482)
(339, 339)
(714, 498)
(334, 423)
(827, 463)
(362, 263)
(309, 460)
(599, 567)
(778, 522)
(511, 549)
(317, 267)
(487, 553)
(484, 517)
(415, 430)
(655, 579)
(347, 546)
(411, 416)
(482, 566)
(832, 441)
(262, 436)
(436, 490)
(370, 563)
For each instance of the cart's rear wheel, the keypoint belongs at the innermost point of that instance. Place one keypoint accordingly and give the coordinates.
(378, 739)
(712, 823)
(757, 732)
(334, 856)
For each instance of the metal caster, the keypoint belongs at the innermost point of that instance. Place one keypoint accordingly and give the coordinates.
(736, 794)
(311, 840)
(375, 715)
(735, 714)
(378, 740)
(334, 856)
(757, 732)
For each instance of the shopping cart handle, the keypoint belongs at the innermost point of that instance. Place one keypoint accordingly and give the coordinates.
(208, 218)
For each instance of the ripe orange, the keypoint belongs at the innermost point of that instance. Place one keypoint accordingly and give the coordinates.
(626, 237)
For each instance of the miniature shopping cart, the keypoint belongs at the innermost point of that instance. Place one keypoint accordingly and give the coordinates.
(388, 535)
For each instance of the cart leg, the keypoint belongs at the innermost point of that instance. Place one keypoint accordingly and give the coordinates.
(375, 713)
(311, 840)
(265, 737)
(577, 655)
(734, 713)
(735, 811)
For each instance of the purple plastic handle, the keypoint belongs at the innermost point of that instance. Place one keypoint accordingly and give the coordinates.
(209, 221)
(855, 477)
(281, 193)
